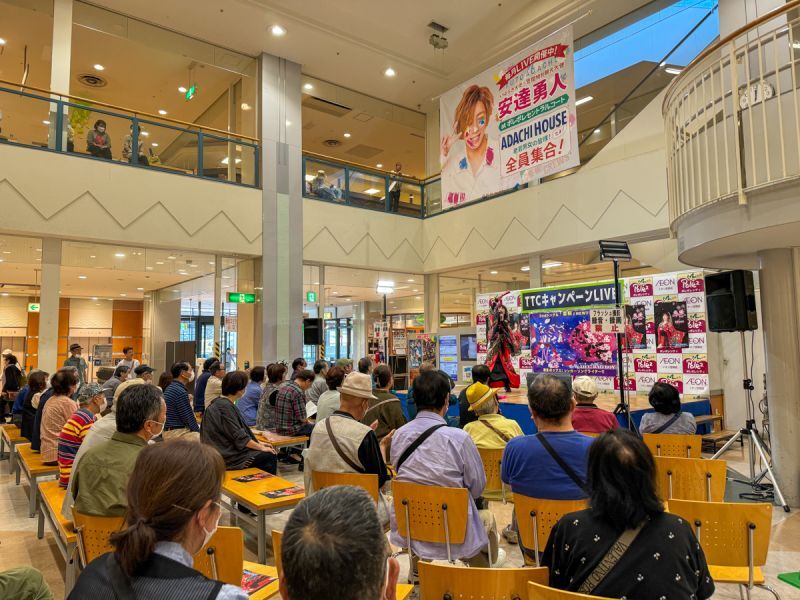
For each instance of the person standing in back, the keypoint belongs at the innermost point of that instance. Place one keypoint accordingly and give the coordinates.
(76, 361)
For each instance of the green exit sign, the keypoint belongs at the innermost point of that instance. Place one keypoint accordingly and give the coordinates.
(239, 298)
(191, 92)
(311, 296)
(33, 307)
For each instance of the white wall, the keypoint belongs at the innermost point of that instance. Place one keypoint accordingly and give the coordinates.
(13, 311)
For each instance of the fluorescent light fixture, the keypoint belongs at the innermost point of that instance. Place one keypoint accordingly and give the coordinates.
(154, 144)
(119, 254)
(182, 90)
(94, 298)
(390, 72)
(525, 269)
(346, 134)
(551, 265)
(144, 133)
(46, 122)
(162, 112)
(371, 191)
(123, 295)
(171, 257)
(386, 283)
(99, 67)
(277, 30)
(583, 100)
(335, 293)
(159, 262)
(492, 272)
(140, 289)
(308, 87)
(672, 71)
(384, 290)
(81, 276)
(410, 280)
(225, 160)
(379, 165)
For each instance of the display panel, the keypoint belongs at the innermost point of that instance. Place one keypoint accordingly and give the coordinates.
(469, 346)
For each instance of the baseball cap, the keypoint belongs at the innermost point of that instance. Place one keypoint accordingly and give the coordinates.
(142, 369)
(73, 347)
(89, 390)
(585, 387)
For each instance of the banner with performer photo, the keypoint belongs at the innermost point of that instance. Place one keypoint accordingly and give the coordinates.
(511, 124)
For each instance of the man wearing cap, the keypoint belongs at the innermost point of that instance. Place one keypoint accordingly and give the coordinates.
(144, 374)
(91, 402)
(492, 431)
(340, 443)
(76, 360)
(588, 417)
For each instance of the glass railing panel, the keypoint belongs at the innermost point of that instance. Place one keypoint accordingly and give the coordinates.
(410, 201)
(26, 120)
(324, 180)
(433, 196)
(367, 190)
(225, 159)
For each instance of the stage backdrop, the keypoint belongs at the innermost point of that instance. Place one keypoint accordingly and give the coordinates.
(511, 124)
(665, 331)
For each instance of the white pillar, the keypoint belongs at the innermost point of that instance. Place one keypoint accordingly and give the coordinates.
(49, 305)
(535, 274)
(282, 202)
(432, 306)
(60, 66)
(780, 310)
(217, 304)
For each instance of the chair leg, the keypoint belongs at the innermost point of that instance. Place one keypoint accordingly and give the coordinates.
(741, 592)
(770, 589)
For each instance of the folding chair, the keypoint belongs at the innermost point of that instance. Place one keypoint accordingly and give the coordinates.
(492, 462)
(536, 517)
(672, 444)
(93, 534)
(691, 478)
(437, 581)
(537, 591)
(369, 482)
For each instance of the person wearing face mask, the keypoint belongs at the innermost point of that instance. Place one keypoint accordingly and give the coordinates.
(181, 421)
(226, 430)
(59, 408)
(91, 402)
(100, 478)
(98, 142)
(76, 360)
(174, 511)
(341, 443)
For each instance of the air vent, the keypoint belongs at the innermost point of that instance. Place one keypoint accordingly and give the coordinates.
(91, 80)
(364, 151)
(332, 143)
(326, 106)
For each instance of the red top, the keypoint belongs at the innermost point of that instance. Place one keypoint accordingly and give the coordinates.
(591, 419)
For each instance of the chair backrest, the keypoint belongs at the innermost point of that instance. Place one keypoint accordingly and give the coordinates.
(724, 529)
(227, 556)
(537, 591)
(436, 580)
(545, 514)
(491, 466)
(367, 481)
(673, 444)
(277, 539)
(426, 506)
(691, 478)
(593, 434)
(93, 534)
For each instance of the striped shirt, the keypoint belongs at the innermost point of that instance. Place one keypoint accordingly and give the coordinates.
(179, 408)
(69, 440)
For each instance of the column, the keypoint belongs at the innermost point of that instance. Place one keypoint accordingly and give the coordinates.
(321, 299)
(217, 304)
(282, 202)
(165, 324)
(49, 305)
(432, 308)
(245, 315)
(535, 274)
(60, 66)
(780, 311)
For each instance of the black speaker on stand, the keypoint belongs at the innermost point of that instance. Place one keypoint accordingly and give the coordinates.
(312, 332)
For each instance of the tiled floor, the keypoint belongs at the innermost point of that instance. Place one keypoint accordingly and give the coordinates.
(19, 546)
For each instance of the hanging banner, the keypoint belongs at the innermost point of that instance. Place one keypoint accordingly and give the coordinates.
(572, 296)
(511, 124)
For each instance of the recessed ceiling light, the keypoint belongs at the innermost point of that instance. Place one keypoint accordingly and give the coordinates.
(371, 191)
(144, 133)
(551, 265)
(38, 249)
(5, 293)
(417, 297)
(81, 276)
(390, 72)
(162, 112)
(526, 268)
(148, 268)
(94, 298)
(119, 254)
(193, 266)
(277, 30)
(1, 260)
(211, 262)
(2, 42)
(288, 123)
(308, 87)
(140, 289)
(335, 293)
(379, 165)
(410, 281)
(346, 134)
(246, 106)
(92, 256)
(154, 144)
(6, 251)
(170, 257)
(123, 295)
(597, 130)
(584, 100)
(46, 122)
(99, 67)
(182, 90)
(414, 290)
(159, 262)
(493, 272)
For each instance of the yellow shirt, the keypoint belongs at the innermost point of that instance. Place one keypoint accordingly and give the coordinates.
(487, 439)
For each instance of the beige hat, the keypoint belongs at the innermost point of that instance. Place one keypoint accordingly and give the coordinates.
(357, 384)
(585, 387)
(7, 351)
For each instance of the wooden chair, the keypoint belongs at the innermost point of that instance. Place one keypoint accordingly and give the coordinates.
(536, 517)
(448, 582)
(734, 538)
(93, 534)
(672, 444)
(369, 482)
(428, 513)
(592, 434)
(492, 462)
(691, 478)
(537, 591)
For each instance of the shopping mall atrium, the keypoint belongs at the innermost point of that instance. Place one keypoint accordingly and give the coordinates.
(561, 190)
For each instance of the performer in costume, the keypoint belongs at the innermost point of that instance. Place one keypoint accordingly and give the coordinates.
(502, 344)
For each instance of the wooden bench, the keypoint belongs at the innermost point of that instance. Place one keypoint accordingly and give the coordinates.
(710, 440)
(281, 441)
(11, 436)
(52, 497)
(31, 464)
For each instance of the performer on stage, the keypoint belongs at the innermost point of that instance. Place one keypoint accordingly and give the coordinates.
(502, 344)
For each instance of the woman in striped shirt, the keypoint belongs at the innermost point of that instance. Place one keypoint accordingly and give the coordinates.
(91, 402)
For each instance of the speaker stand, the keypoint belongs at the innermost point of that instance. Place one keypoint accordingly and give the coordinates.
(755, 444)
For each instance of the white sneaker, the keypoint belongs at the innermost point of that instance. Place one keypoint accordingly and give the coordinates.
(501, 559)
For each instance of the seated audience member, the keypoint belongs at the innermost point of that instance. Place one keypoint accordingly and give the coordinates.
(56, 412)
(181, 421)
(111, 384)
(663, 561)
(290, 406)
(214, 385)
(265, 418)
(100, 477)
(337, 531)
(587, 416)
(342, 443)
(40, 401)
(346, 364)
(492, 431)
(319, 386)
(365, 365)
(411, 405)
(248, 404)
(385, 407)
(142, 374)
(447, 457)
(298, 364)
(24, 583)
(173, 511)
(329, 400)
(668, 417)
(480, 374)
(200, 385)
(224, 428)
(91, 402)
(19, 403)
(37, 383)
(164, 380)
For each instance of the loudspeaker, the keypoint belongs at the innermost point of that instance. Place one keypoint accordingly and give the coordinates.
(312, 332)
(731, 301)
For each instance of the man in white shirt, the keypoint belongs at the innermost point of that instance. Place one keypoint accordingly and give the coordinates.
(128, 361)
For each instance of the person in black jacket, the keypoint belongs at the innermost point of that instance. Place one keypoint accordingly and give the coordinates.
(11, 379)
(37, 382)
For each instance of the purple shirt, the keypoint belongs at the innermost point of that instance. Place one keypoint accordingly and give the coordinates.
(448, 458)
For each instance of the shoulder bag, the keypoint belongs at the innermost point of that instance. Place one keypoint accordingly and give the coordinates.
(610, 560)
(416, 444)
(338, 448)
(500, 434)
(561, 463)
(674, 418)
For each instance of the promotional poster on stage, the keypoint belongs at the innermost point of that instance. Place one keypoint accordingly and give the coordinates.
(511, 124)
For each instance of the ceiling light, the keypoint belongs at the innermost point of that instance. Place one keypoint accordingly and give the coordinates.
(170, 257)
(99, 67)
(672, 71)
(162, 112)
(119, 254)
(246, 106)
(182, 90)
(288, 123)
(277, 30)
(211, 262)
(584, 100)
(148, 268)
(2, 42)
(379, 165)
(492, 272)
(159, 262)
(347, 135)
(144, 133)
(371, 191)
(39, 250)
(335, 293)
(390, 72)
(525, 269)
(308, 87)
(94, 298)
(123, 295)
(410, 281)
(1, 260)
(6, 251)
(385, 283)
(46, 122)
(417, 297)
(551, 265)
(154, 144)
(597, 130)
(92, 256)
(140, 289)
(81, 276)
(414, 290)
(226, 160)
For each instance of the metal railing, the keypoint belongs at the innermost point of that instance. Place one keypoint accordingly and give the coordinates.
(732, 117)
(37, 118)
